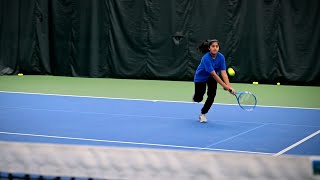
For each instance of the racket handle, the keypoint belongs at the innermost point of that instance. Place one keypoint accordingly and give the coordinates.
(231, 92)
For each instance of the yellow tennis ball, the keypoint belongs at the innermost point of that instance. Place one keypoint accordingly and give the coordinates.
(20, 74)
(278, 84)
(231, 72)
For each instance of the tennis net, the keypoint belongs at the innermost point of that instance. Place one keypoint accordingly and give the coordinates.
(55, 162)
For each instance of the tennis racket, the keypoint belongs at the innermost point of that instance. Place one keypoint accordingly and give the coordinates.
(246, 100)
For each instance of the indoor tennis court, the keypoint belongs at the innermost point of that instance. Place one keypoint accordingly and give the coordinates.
(150, 89)
(28, 117)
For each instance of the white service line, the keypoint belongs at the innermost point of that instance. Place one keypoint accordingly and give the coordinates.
(297, 143)
(134, 143)
(236, 135)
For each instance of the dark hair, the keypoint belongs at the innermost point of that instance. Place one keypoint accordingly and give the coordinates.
(204, 47)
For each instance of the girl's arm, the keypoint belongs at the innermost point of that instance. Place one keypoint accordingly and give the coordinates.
(225, 77)
(225, 83)
(226, 80)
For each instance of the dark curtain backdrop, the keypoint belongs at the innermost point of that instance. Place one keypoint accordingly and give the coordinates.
(267, 40)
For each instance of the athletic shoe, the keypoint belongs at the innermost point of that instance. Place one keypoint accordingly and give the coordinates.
(202, 118)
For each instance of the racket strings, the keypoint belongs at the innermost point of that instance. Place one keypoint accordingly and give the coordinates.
(247, 101)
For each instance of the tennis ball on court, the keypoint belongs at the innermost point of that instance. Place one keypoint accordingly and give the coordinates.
(278, 84)
(255, 83)
(231, 72)
(20, 74)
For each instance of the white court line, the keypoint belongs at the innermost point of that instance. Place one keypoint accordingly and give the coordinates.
(133, 143)
(236, 135)
(297, 143)
(97, 97)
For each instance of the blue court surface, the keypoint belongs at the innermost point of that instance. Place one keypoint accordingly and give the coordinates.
(157, 124)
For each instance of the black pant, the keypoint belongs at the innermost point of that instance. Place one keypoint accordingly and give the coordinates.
(200, 90)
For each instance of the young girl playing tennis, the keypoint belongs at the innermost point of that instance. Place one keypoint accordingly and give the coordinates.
(208, 73)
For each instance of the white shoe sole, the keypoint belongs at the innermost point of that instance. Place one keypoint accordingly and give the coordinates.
(202, 120)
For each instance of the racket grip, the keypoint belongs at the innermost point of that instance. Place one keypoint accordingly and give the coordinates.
(231, 92)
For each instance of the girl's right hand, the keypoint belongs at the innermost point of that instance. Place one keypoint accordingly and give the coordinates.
(232, 91)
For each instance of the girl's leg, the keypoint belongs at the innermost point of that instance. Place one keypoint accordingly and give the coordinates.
(199, 91)
(211, 93)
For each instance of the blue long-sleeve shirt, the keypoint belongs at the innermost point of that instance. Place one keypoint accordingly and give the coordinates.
(207, 65)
